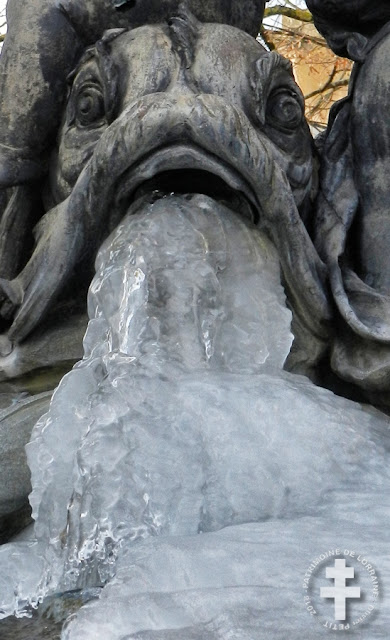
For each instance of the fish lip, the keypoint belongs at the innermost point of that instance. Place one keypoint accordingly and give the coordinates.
(177, 157)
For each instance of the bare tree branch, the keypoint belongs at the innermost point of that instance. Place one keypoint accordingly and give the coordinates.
(317, 39)
(334, 86)
(323, 77)
(291, 12)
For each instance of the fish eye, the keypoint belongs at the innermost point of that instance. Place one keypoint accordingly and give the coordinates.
(89, 106)
(285, 110)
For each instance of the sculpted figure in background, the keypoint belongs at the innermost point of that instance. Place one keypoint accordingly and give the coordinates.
(352, 230)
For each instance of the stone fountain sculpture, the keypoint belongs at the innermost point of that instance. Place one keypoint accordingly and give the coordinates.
(184, 161)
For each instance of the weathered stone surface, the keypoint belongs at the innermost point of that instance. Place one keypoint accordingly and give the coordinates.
(16, 424)
(243, 15)
(346, 25)
(27, 379)
(50, 352)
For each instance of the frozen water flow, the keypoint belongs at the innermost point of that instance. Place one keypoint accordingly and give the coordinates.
(180, 421)
(185, 291)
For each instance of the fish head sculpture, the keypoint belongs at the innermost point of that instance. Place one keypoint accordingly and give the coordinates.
(179, 107)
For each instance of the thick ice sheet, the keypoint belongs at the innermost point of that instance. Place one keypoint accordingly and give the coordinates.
(244, 582)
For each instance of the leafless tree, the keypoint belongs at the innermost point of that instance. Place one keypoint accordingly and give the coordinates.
(324, 77)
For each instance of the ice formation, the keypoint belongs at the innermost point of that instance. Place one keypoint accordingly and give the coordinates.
(180, 421)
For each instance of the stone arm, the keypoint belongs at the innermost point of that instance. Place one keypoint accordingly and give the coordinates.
(352, 222)
(40, 50)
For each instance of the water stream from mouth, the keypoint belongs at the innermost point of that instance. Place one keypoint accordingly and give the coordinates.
(185, 292)
(179, 420)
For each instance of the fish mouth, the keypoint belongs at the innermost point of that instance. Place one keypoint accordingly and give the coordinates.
(187, 169)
